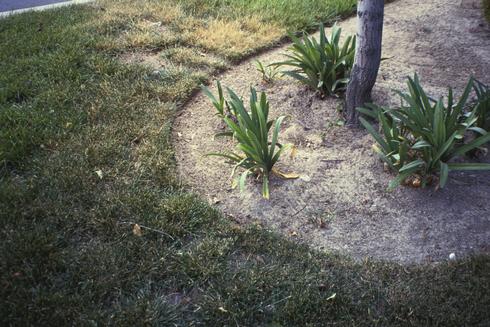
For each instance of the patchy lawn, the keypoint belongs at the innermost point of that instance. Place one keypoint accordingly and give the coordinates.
(85, 153)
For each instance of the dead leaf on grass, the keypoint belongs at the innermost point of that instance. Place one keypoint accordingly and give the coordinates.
(137, 230)
(99, 173)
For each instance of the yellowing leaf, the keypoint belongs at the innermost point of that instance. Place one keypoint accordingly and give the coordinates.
(416, 182)
(294, 151)
(284, 175)
(376, 149)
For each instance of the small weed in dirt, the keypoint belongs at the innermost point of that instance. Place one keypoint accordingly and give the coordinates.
(268, 72)
(322, 219)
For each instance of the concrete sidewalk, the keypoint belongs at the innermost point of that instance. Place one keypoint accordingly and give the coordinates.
(8, 7)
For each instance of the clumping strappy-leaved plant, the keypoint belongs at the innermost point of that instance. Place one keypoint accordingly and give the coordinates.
(423, 136)
(323, 65)
(483, 105)
(257, 137)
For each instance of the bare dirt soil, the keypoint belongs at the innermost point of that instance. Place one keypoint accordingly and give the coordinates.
(340, 203)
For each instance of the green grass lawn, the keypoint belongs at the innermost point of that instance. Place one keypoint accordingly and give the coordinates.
(85, 153)
(486, 9)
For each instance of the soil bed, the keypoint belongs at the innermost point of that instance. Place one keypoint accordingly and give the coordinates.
(340, 203)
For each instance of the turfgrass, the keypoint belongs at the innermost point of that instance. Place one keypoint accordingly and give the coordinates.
(85, 154)
(486, 9)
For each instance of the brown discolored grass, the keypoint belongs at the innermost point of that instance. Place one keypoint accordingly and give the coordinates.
(137, 24)
(236, 38)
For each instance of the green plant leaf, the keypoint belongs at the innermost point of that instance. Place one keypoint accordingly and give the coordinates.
(265, 186)
(443, 174)
(469, 166)
(373, 132)
(472, 145)
(412, 165)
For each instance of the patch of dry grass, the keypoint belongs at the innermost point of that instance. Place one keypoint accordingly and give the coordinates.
(137, 24)
(160, 24)
(236, 38)
(166, 12)
(192, 57)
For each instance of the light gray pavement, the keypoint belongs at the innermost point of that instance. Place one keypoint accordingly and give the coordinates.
(9, 5)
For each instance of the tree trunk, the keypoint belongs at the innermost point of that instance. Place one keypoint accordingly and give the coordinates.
(368, 57)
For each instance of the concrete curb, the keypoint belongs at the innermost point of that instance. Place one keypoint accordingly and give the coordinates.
(45, 7)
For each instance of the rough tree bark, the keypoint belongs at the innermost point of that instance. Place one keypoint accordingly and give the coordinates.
(368, 57)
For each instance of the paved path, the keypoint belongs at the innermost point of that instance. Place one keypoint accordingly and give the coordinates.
(8, 5)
